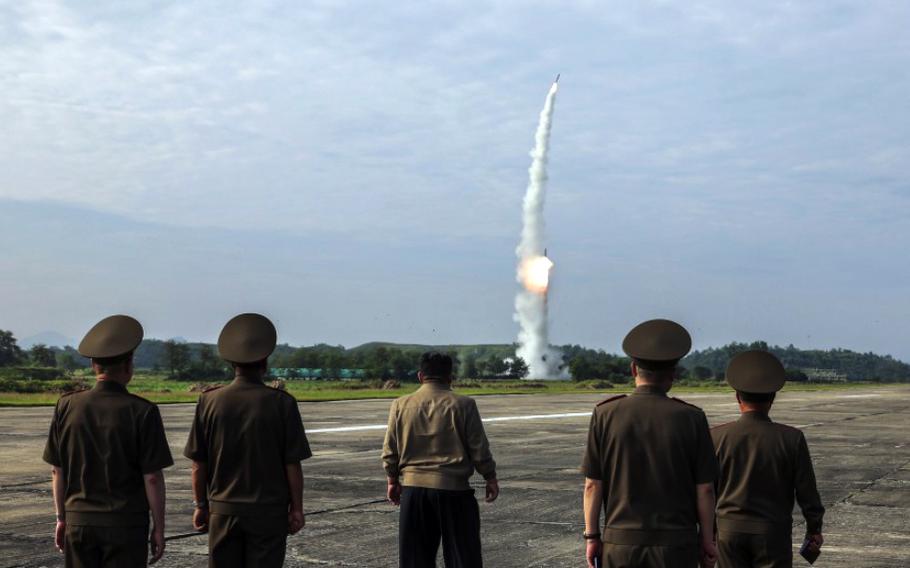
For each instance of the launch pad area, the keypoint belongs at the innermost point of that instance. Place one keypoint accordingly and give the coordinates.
(858, 439)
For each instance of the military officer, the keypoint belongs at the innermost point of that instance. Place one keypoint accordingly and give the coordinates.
(434, 443)
(107, 448)
(763, 466)
(246, 443)
(650, 464)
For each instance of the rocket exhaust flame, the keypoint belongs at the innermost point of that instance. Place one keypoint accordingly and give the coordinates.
(533, 265)
(534, 274)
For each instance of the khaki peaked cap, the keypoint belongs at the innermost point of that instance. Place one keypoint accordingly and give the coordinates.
(111, 337)
(756, 371)
(657, 343)
(247, 338)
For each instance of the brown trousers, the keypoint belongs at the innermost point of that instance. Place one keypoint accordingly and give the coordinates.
(105, 547)
(649, 556)
(742, 550)
(247, 542)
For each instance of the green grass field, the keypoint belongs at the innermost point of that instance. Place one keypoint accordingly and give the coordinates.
(161, 390)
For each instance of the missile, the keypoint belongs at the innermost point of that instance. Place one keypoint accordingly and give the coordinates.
(557, 78)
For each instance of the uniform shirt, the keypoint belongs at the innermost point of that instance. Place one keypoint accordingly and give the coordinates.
(104, 439)
(763, 465)
(435, 439)
(649, 451)
(246, 433)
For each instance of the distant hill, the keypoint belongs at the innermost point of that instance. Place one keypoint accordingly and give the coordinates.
(855, 366)
(844, 363)
(49, 338)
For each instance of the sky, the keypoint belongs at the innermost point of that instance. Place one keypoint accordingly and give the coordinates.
(355, 170)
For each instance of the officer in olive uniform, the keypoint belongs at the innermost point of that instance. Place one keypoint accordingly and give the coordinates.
(107, 448)
(433, 445)
(650, 463)
(763, 466)
(246, 443)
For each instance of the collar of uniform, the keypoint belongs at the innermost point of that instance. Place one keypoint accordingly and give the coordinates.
(755, 415)
(245, 380)
(436, 385)
(650, 389)
(108, 385)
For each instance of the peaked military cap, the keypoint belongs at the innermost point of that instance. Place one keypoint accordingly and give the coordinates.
(757, 372)
(657, 343)
(111, 337)
(247, 338)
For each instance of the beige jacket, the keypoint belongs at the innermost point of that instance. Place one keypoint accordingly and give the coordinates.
(435, 439)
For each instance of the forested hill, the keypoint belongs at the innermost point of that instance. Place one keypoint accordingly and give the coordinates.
(382, 359)
(848, 364)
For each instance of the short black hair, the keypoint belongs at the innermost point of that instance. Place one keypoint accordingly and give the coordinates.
(756, 397)
(656, 371)
(436, 365)
(110, 363)
(254, 367)
(650, 365)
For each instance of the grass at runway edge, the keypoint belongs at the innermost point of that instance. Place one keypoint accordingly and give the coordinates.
(162, 392)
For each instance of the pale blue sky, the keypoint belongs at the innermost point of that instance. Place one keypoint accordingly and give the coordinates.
(355, 170)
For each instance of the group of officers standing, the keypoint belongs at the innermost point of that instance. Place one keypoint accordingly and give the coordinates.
(652, 466)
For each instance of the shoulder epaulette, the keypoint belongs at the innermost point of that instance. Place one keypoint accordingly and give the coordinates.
(211, 388)
(611, 399)
(145, 400)
(283, 391)
(684, 402)
(70, 393)
(722, 425)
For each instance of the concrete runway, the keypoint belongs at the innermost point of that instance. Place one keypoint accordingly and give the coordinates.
(858, 438)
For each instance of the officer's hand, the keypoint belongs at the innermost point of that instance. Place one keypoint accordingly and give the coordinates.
(60, 535)
(594, 549)
(815, 541)
(156, 545)
(201, 519)
(296, 521)
(492, 490)
(708, 554)
(393, 493)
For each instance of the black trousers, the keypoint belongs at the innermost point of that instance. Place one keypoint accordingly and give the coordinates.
(105, 547)
(735, 550)
(649, 556)
(430, 514)
(247, 542)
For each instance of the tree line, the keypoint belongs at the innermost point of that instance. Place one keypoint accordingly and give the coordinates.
(190, 361)
(853, 365)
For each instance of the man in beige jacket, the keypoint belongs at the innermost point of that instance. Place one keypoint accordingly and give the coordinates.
(434, 442)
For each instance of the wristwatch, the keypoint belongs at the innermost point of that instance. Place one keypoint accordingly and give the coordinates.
(201, 504)
(590, 536)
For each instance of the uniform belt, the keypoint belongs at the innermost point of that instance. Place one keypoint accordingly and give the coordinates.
(247, 509)
(650, 537)
(107, 519)
(434, 480)
(752, 526)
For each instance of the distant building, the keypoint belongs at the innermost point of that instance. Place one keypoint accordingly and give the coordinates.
(305, 374)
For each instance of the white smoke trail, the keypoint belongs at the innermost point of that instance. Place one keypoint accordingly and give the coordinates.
(531, 301)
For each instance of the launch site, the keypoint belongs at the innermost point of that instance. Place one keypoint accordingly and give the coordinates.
(469, 243)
